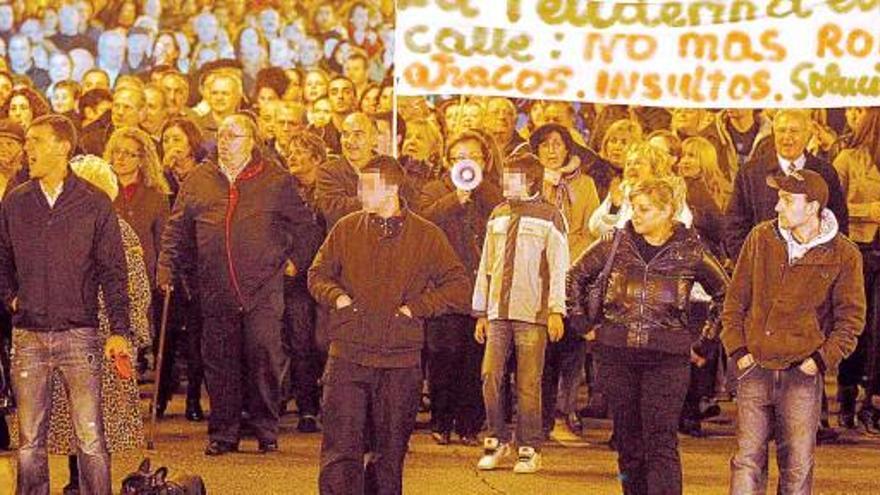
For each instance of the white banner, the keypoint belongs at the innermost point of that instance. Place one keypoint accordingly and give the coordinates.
(710, 53)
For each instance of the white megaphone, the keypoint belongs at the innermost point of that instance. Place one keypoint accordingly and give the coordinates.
(466, 175)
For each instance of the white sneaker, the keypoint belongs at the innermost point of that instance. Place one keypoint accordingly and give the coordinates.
(528, 462)
(493, 451)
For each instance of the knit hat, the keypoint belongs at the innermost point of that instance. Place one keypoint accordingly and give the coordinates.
(11, 130)
(805, 182)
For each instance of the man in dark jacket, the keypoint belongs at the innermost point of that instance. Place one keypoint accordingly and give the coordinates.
(753, 201)
(236, 224)
(382, 271)
(794, 310)
(336, 186)
(60, 240)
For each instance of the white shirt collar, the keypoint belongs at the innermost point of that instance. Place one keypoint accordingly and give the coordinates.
(52, 195)
(786, 165)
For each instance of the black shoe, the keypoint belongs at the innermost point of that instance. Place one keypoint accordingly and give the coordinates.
(216, 447)
(441, 437)
(826, 436)
(308, 424)
(161, 405)
(869, 418)
(268, 446)
(691, 428)
(194, 411)
(711, 412)
(70, 489)
(574, 423)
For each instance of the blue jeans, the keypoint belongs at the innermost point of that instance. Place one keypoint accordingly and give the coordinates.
(780, 404)
(530, 341)
(77, 353)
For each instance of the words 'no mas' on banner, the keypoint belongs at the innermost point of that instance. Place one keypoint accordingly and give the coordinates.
(713, 53)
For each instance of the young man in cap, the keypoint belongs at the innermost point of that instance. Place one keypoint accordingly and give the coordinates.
(793, 310)
(519, 298)
(382, 271)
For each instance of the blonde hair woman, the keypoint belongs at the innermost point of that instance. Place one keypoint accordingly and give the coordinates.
(699, 161)
(143, 195)
(120, 399)
(423, 149)
(643, 162)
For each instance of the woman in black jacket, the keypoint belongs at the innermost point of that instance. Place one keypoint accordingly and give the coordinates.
(644, 340)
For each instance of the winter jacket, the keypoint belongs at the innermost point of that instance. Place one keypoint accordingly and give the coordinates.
(463, 224)
(54, 259)
(146, 212)
(753, 201)
(647, 303)
(783, 312)
(860, 180)
(524, 259)
(336, 190)
(383, 264)
(237, 236)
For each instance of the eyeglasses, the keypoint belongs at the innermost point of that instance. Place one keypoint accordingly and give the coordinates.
(228, 136)
(121, 153)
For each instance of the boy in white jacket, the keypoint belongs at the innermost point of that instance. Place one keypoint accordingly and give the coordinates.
(519, 300)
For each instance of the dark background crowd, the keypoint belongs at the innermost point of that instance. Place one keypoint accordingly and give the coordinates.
(149, 83)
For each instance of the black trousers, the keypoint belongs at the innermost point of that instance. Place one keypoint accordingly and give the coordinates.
(645, 391)
(861, 367)
(306, 361)
(455, 385)
(244, 360)
(366, 410)
(182, 337)
(563, 360)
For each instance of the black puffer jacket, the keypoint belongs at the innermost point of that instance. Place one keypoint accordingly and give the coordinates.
(647, 303)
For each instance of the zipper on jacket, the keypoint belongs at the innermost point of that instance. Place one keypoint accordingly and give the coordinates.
(645, 288)
(230, 211)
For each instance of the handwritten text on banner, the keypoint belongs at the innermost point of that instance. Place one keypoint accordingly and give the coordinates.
(715, 53)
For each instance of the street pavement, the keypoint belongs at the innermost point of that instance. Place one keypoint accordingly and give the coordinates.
(571, 465)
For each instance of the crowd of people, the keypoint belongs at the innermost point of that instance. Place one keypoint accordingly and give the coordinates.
(324, 243)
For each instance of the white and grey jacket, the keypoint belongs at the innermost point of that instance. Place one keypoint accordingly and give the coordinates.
(524, 262)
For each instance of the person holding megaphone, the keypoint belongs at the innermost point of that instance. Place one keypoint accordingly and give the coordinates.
(460, 202)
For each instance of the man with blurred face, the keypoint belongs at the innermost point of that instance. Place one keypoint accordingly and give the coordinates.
(111, 54)
(69, 36)
(336, 189)
(137, 60)
(241, 269)
(372, 379)
(223, 92)
(7, 21)
(176, 89)
(355, 69)
(500, 121)
(128, 107)
(155, 110)
(95, 79)
(753, 200)
(21, 61)
(321, 114)
(341, 92)
(289, 118)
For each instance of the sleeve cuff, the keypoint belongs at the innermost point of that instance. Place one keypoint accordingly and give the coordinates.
(817, 358)
(418, 309)
(738, 353)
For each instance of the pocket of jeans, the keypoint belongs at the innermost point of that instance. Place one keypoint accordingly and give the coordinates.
(742, 374)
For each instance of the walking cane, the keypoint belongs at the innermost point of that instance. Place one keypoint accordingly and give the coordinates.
(157, 383)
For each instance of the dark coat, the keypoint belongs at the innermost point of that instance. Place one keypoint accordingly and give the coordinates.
(54, 259)
(753, 201)
(147, 213)
(236, 237)
(647, 302)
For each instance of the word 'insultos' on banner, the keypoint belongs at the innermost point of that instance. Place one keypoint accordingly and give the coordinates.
(775, 53)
